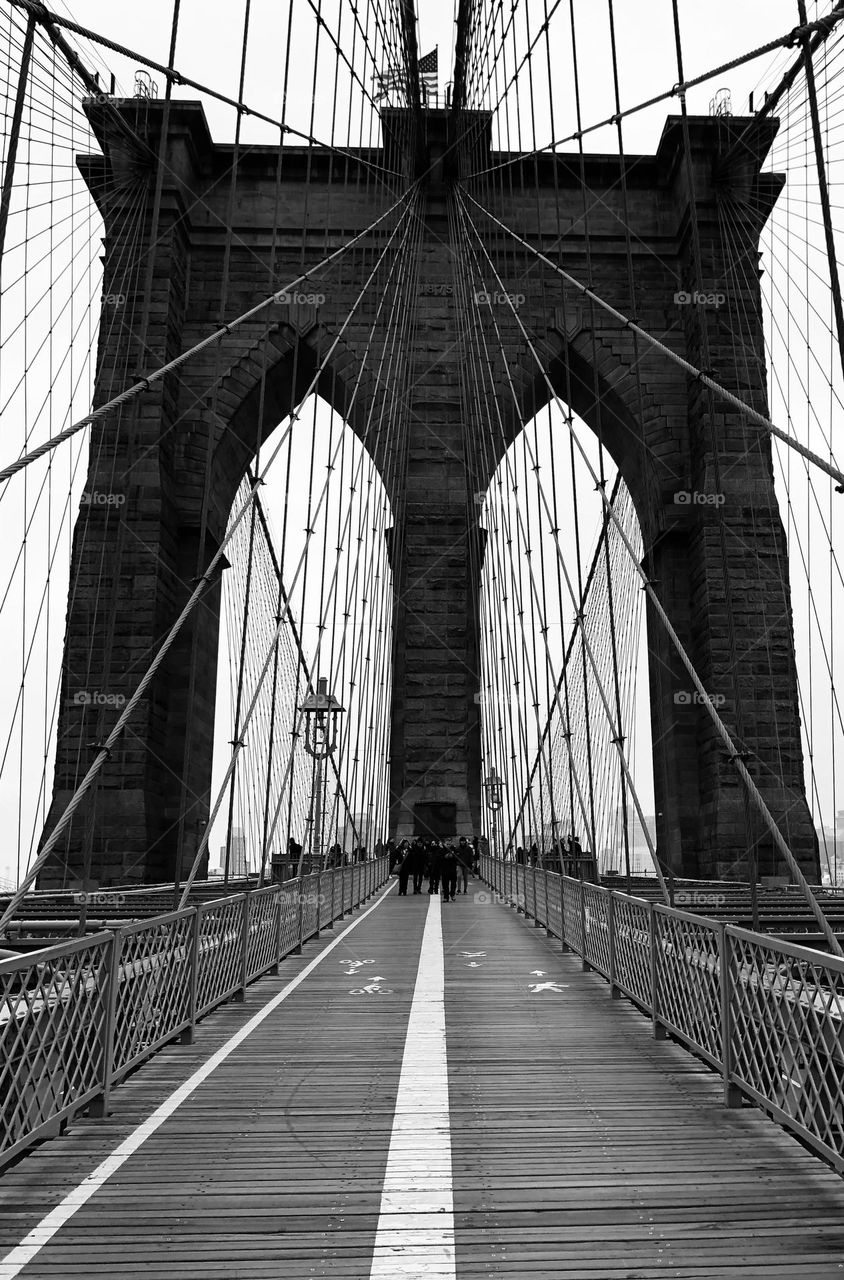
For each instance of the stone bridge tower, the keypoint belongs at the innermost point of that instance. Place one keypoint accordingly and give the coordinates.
(658, 426)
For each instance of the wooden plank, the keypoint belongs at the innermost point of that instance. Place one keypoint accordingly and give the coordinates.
(580, 1146)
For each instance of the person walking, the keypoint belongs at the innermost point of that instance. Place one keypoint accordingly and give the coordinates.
(449, 872)
(404, 873)
(418, 864)
(434, 866)
(464, 863)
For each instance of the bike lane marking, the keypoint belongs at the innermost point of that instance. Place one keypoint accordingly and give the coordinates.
(415, 1232)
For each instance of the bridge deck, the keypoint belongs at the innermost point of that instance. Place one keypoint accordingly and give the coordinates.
(545, 1134)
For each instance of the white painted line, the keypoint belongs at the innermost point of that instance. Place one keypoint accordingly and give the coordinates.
(415, 1234)
(34, 1241)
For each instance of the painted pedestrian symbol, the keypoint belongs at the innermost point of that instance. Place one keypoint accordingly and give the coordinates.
(473, 964)
(353, 966)
(547, 986)
(372, 988)
(540, 973)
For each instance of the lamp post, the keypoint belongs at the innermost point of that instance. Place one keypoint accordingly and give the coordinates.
(494, 789)
(322, 712)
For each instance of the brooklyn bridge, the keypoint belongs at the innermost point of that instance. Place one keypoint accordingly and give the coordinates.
(420, 478)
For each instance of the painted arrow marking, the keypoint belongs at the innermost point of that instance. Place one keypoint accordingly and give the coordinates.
(470, 954)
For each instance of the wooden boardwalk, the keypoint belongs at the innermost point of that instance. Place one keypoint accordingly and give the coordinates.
(563, 1142)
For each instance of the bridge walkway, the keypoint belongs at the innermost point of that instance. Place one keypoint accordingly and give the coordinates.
(430, 1090)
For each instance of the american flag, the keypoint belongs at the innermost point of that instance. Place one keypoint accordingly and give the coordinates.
(428, 77)
(388, 82)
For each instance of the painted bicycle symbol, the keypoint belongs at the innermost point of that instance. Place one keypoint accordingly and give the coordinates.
(372, 988)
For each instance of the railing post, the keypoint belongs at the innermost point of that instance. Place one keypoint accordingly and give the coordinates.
(614, 991)
(732, 1093)
(99, 1105)
(584, 963)
(187, 1036)
(277, 927)
(297, 950)
(333, 882)
(537, 923)
(240, 994)
(318, 902)
(564, 945)
(658, 1028)
(282, 903)
(548, 930)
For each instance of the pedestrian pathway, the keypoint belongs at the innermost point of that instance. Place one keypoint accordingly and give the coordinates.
(431, 1090)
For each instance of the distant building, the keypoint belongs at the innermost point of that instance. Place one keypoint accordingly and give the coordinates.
(612, 858)
(238, 865)
(346, 837)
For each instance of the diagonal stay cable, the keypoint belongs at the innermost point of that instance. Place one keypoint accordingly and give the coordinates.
(238, 744)
(617, 738)
(706, 701)
(105, 749)
(53, 21)
(157, 374)
(698, 374)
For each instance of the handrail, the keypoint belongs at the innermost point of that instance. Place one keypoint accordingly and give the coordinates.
(76, 1017)
(767, 1014)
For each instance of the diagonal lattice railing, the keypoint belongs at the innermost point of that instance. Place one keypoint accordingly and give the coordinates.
(767, 1015)
(53, 1013)
(78, 1017)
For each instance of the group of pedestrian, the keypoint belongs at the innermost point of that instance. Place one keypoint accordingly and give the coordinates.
(445, 863)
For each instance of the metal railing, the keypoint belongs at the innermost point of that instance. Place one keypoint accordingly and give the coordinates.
(79, 1016)
(767, 1015)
